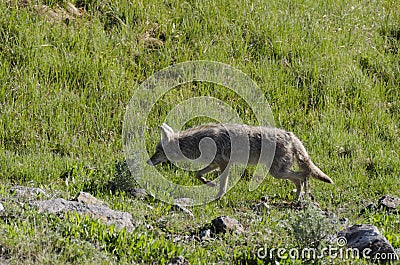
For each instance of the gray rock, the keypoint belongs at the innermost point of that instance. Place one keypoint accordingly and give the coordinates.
(370, 243)
(1, 207)
(105, 214)
(386, 202)
(224, 224)
(389, 203)
(87, 198)
(179, 261)
(22, 191)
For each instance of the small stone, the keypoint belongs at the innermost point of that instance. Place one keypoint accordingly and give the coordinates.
(179, 261)
(205, 234)
(224, 224)
(1, 207)
(87, 198)
(389, 203)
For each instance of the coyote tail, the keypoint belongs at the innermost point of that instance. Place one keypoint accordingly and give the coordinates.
(305, 162)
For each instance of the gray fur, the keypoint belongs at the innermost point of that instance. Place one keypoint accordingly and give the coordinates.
(249, 142)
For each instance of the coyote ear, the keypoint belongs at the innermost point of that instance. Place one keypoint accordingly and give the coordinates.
(166, 133)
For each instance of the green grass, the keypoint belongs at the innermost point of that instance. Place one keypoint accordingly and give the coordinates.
(329, 69)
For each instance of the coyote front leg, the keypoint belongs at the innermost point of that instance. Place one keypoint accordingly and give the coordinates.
(200, 173)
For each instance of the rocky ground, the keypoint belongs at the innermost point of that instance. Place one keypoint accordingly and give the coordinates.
(366, 238)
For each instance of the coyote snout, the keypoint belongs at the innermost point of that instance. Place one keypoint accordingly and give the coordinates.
(188, 145)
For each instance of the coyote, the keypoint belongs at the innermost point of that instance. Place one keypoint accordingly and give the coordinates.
(221, 145)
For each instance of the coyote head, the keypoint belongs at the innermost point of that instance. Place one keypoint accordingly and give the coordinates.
(167, 149)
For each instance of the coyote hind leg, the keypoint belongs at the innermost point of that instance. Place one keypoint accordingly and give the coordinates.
(299, 186)
(223, 185)
(299, 179)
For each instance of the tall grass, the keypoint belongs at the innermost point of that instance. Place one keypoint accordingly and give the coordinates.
(330, 71)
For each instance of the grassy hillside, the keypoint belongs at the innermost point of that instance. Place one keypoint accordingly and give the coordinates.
(329, 69)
